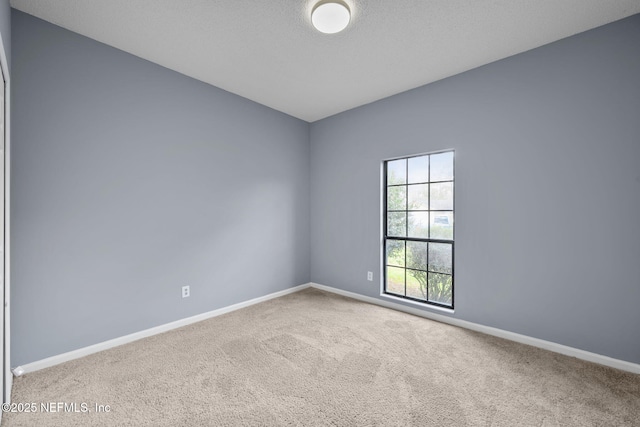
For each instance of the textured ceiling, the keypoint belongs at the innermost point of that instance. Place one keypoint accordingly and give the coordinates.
(267, 50)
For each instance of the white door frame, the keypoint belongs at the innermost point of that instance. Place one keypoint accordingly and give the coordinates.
(6, 369)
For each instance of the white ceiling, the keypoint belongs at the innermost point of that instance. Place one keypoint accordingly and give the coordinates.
(267, 50)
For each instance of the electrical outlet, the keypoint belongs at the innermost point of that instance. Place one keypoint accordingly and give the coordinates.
(370, 276)
(185, 291)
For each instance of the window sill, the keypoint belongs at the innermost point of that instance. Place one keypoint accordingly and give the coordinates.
(418, 304)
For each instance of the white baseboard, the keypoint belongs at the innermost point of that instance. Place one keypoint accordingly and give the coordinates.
(535, 342)
(85, 351)
(524, 339)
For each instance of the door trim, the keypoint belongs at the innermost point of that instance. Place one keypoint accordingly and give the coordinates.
(6, 298)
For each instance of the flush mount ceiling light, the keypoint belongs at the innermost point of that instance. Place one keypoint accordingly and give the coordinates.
(330, 17)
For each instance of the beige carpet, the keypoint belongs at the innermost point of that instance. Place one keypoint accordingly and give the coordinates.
(313, 358)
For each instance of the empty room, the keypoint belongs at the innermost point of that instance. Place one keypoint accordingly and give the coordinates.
(320, 212)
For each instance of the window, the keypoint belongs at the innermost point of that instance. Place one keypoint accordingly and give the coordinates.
(418, 228)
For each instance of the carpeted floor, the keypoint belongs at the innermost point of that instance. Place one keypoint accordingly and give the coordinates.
(314, 358)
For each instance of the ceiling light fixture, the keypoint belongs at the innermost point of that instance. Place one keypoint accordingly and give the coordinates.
(330, 17)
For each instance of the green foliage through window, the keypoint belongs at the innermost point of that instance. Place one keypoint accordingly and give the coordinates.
(418, 233)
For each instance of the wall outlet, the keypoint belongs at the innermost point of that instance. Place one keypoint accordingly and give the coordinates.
(370, 276)
(186, 291)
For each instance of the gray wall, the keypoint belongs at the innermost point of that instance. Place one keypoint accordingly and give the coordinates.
(5, 27)
(131, 180)
(547, 188)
